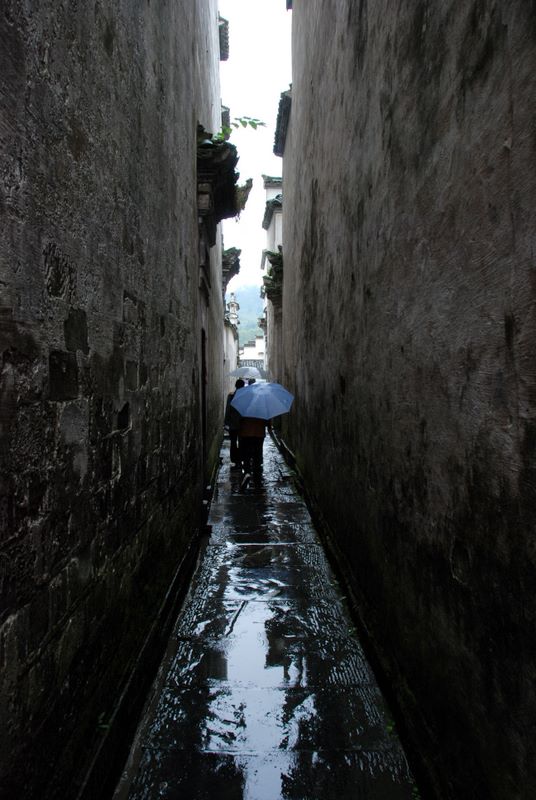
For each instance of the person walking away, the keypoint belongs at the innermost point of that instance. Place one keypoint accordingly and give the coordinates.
(232, 423)
(251, 435)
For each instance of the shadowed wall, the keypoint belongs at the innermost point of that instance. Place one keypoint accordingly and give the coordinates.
(101, 459)
(409, 329)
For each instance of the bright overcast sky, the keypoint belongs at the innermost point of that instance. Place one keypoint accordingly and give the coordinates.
(257, 71)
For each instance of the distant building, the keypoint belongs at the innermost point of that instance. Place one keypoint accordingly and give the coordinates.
(272, 262)
(273, 218)
(232, 310)
(230, 342)
(252, 354)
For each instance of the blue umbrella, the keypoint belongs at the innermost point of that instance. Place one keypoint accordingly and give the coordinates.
(262, 400)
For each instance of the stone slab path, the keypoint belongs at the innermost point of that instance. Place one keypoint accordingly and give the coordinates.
(265, 692)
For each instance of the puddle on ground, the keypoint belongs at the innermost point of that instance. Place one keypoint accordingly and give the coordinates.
(265, 693)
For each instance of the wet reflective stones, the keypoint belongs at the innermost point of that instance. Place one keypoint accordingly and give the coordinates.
(265, 692)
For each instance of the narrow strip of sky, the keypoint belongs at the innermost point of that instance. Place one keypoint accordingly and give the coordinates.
(258, 70)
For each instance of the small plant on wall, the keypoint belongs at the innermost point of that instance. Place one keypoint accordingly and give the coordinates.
(238, 122)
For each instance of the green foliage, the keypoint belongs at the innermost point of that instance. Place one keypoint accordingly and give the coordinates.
(248, 333)
(238, 122)
(242, 194)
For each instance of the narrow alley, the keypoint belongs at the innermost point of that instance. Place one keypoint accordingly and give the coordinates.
(334, 200)
(265, 692)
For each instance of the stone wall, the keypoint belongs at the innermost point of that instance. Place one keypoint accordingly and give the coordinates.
(273, 355)
(409, 327)
(230, 351)
(101, 468)
(211, 304)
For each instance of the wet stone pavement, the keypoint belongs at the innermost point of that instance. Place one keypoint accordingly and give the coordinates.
(265, 692)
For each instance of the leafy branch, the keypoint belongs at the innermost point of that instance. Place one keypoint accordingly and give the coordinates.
(238, 122)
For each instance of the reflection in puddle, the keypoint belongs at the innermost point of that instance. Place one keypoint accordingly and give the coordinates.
(266, 693)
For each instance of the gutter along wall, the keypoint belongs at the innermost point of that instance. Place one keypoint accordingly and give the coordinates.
(409, 329)
(100, 326)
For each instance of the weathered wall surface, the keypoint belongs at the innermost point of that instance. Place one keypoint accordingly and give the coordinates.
(409, 324)
(274, 340)
(211, 305)
(101, 469)
(230, 357)
(211, 320)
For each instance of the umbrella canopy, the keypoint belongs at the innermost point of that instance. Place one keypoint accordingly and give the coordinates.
(262, 400)
(245, 372)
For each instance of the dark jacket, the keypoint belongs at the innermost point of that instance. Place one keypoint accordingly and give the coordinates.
(232, 417)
